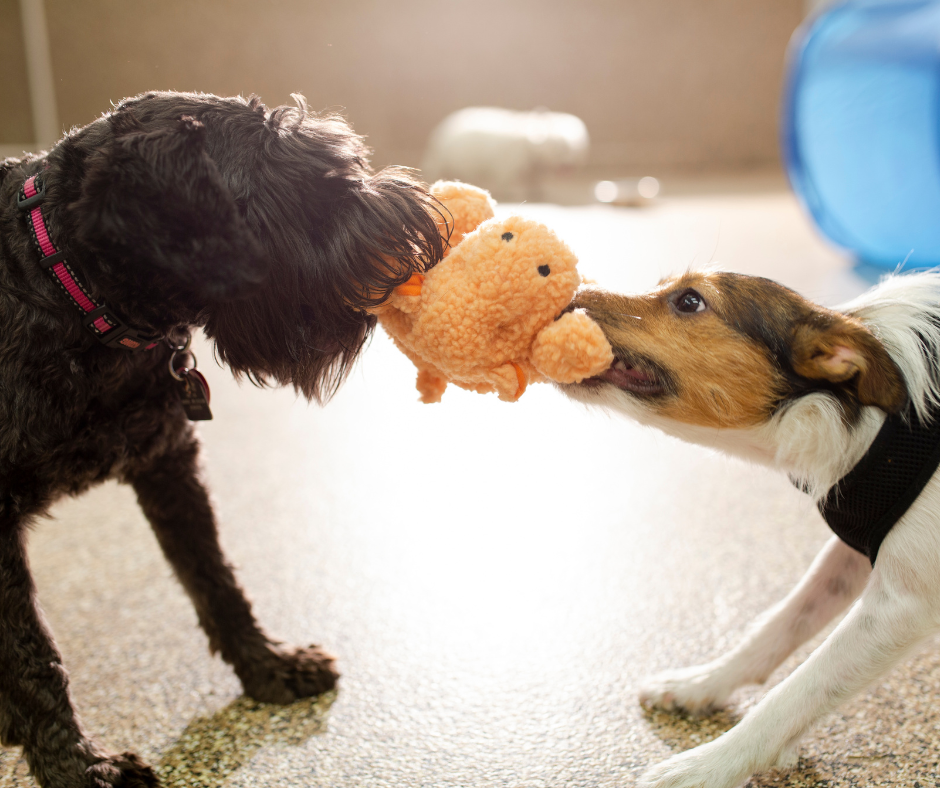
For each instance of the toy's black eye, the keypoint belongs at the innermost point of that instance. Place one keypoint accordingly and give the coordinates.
(544, 270)
(506, 236)
(690, 301)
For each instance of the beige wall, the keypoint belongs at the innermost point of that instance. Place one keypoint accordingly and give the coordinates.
(662, 84)
(16, 124)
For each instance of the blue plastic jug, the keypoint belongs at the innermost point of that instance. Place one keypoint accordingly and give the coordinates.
(861, 128)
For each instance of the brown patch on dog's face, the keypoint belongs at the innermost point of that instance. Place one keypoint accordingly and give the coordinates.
(726, 350)
(674, 351)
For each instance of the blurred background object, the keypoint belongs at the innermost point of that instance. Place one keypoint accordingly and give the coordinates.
(509, 153)
(669, 87)
(861, 132)
(627, 191)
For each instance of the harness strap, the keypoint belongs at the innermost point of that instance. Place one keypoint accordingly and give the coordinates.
(863, 506)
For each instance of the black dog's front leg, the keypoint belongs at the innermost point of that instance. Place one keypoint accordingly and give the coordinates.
(175, 501)
(35, 708)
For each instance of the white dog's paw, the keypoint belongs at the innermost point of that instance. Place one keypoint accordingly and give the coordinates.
(789, 757)
(707, 766)
(698, 690)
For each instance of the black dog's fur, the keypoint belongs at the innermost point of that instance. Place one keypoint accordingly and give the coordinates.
(267, 229)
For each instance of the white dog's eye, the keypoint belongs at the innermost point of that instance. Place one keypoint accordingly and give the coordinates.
(690, 301)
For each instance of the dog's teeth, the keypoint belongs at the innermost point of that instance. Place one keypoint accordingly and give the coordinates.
(618, 364)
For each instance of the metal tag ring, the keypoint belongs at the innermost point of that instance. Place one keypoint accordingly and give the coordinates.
(182, 351)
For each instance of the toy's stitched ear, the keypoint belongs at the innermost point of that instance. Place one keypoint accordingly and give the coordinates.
(841, 350)
(157, 198)
(404, 298)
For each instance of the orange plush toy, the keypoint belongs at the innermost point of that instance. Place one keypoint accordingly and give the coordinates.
(486, 318)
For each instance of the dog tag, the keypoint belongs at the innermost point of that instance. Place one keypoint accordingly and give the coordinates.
(194, 394)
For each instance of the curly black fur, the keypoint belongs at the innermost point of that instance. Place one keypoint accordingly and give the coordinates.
(268, 229)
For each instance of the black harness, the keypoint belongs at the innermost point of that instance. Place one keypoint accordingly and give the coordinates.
(866, 503)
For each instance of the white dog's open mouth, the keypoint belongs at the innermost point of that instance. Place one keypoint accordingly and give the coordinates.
(629, 377)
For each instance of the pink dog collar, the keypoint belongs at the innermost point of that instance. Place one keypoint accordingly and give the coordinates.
(98, 319)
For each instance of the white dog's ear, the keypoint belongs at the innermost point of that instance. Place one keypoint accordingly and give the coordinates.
(842, 350)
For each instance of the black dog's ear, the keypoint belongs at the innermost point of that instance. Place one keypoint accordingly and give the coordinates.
(842, 350)
(157, 198)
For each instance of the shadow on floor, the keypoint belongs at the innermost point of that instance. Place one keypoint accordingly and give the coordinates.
(682, 732)
(212, 748)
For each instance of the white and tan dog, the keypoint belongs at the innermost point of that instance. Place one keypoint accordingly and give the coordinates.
(747, 366)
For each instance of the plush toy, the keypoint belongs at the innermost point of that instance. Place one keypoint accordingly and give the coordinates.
(490, 316)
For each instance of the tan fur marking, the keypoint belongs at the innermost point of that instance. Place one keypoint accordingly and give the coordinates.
(721, 375)
(840, 348)
(723, 378)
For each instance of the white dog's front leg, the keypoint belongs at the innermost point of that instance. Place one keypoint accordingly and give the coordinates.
(834, 580)
(890, 618)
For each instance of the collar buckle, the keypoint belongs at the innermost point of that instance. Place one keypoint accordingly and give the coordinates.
(25, 203)
(117, 334)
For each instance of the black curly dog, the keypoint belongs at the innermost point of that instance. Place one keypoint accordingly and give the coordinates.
(267, 229)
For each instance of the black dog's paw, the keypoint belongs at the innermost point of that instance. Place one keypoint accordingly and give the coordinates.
(287, 673)
(120, 771)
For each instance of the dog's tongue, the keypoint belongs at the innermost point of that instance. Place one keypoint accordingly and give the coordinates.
(621, 373)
